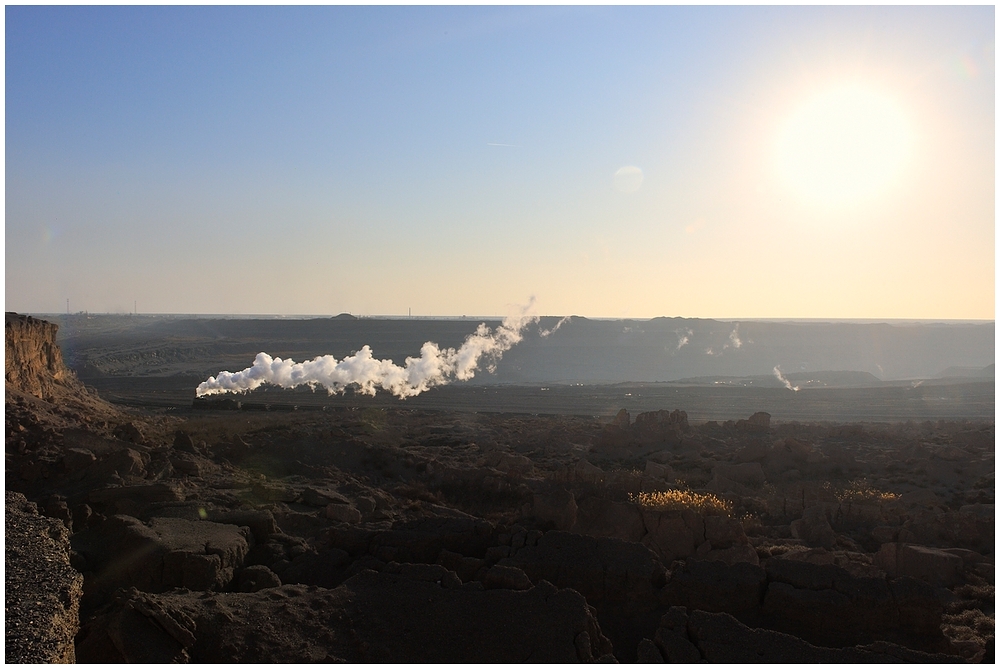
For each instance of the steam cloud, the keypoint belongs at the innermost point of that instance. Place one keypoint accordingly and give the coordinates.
(734, 337)
(683, 339)
(434, 367)
(781, 377)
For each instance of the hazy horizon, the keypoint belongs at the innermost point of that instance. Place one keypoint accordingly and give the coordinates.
(779, 163)
(499, 317)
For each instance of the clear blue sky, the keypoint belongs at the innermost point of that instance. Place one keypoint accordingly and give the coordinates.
(459, 160)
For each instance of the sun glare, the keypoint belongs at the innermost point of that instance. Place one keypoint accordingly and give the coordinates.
(844, 146)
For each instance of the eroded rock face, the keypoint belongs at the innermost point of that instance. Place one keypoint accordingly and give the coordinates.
(372, 617)
(33, 363)
(42, 590)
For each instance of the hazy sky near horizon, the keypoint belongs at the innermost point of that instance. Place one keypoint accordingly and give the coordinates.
(730, 162)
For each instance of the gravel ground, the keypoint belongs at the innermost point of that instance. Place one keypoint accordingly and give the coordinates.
(42, 590)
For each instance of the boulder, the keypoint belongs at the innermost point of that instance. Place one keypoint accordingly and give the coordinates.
(135, 498)
(931, 565)
(715, 586)
(675, 648)
(657, 471)
(597, 517)
(672, 535)
(557, 507)
(257, 577)
(648, 653)
(167, 553)
(814, 528)
(826, 605)
(184, 443)
(76, 461)
(260, 521)
(342, 513)
(511, 463)
(748, 474)
(432, 573)
(951, 529)
(621, 579)
(759, 422)
(585, 472)
(129, 432)
(603, 569)
(322, 497)
(326, 568)
(506, 577)
(652, 427)
(417, 541)
(465, 567)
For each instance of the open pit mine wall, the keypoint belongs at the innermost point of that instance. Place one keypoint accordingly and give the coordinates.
(33, 362)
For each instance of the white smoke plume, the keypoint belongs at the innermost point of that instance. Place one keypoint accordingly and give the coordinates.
(734, 337)
(781, 377)
(562, 321)
(683, 337)
(434, 367)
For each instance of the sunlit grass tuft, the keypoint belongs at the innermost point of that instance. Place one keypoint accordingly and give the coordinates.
(678, 500)
(861, 490)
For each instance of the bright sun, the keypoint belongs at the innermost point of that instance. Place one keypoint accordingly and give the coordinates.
(844, 146)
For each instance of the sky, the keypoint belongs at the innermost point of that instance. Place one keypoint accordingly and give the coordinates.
(621, 162)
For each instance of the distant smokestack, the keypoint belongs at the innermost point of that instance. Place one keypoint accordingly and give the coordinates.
(434, 367)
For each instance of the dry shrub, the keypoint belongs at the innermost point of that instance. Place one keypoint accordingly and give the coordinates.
(972, 624)
(678, 500)
(983, 592)
(861, 490)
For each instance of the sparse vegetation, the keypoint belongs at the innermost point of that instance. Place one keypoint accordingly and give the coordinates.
(861, 490)
(678, 500)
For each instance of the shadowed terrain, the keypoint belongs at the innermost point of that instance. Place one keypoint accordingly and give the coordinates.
(709, 519)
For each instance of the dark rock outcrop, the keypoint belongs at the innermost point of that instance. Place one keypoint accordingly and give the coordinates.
(166, 553)
(721, 638)
(621, 579)
(372, 617)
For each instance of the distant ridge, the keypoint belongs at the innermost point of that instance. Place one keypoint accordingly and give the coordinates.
(822, 379)
(989, 371)
(344, 317)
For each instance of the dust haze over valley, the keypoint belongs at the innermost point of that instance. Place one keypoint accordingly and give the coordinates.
(612, 473)
(853, 371)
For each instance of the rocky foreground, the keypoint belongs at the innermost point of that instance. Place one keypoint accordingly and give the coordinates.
(402, 536)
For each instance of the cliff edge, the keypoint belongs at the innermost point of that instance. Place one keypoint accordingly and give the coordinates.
(42, 399)
(33, 363)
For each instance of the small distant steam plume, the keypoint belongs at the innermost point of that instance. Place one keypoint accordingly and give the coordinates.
(781, 377)
(734, 337)
(562, 321)
(683, 337)
(434, 367)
